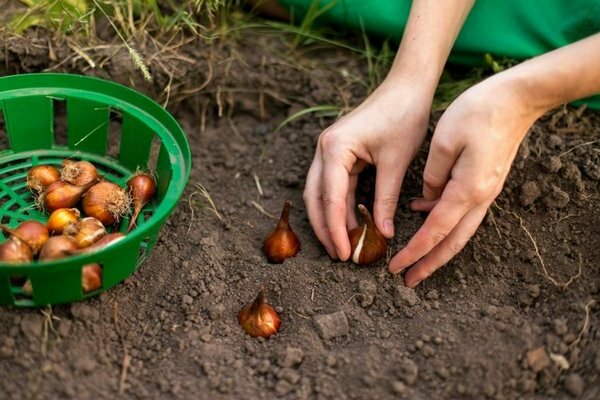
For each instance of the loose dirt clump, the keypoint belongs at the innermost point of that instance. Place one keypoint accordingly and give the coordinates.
(515, 315)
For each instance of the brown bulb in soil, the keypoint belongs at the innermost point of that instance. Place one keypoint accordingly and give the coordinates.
(86, 232)
(57, 247)
(142, 188)
(42, 176)
(282, 243)
(106, 241)
(91, 277)
(367, 243)
(62, 218)
(15, 251)
(107, 202)
(259, 318)
(62, 195)
(78, 173)
(33, 233)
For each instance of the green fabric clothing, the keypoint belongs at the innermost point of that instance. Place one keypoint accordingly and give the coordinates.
(517, 29)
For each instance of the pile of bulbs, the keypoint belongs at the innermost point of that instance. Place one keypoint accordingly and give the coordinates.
(66, 233)
(368, 245)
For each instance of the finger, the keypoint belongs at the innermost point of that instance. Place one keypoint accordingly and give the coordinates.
(439, 223)
(334, 187)
(387, 189)
(351, 220)
(447, 249)
(442, 157)
(422, 205)
(314, 205)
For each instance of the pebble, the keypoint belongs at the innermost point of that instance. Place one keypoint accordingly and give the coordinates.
(84, 362)
(442, 372)
(263, 366)
(283, 387)
(84, 312)
(290, 357)
(187, 299)
(290, 375)
(574, 385)
(331, 325)
(367, 290)
(404, 296)
(538, 359)
(427, 351)
(216, 311)
(64, 327)
(432, 295)
(560, 326)
(437, 340)
(399, 388)
(409, 371)
(31, 326)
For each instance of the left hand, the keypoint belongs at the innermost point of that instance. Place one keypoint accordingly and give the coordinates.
(470, 156)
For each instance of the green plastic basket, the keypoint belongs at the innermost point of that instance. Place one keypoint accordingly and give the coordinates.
(149, 138)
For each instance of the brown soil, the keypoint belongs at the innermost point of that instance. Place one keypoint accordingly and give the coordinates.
(171, 330)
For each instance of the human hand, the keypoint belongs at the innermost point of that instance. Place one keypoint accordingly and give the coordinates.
(471, 152)
(386, 130)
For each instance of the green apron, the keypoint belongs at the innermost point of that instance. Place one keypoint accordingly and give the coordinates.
(516, 29)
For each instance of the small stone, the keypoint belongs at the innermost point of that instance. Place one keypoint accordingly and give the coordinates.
(409, 371)
(538, 359)
(216, 311)
(437, 340)
(398, 388)
(84, 312)
(187, 299)
(432, 295)
(290, 375)
(290, 357)
(263, 366)
(64, 327)
(404, 296)
(427, 351)
(442, 372)
(331, 325)
(367, 290)
(283, 387)
(574, 384)
(530, 192)
(31, 326)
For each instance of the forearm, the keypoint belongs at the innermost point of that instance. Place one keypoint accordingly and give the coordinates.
(563, 75)
(430, 32)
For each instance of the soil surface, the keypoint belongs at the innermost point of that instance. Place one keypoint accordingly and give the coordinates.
(499, 321)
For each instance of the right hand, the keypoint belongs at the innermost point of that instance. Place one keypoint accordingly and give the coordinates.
(386, 130)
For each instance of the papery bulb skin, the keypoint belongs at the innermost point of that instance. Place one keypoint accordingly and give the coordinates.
(61, 219)
(106, 241)
(78, 173)
(86, 232)
(367, 243)
(62, 195)
(42, 176)
(259, 319)
(142, 189)
(57, 247)
(15, 251)
(282, 243)
(91, 277)
(33, 233)
(107, 202)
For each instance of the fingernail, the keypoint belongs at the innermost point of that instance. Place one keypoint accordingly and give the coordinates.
(331, 252)
(388, 226)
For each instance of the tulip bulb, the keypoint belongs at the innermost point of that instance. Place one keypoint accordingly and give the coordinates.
(282, 243)
(15, 251)
(62, 218)
(86, 232)
(259, 318)
(78, 173)
(142, 188)
(41, 176)
(57, 247)
(62, 195)
(107, 202)
(33, 233)
(367, 243)
(91, 277)
(106, 241)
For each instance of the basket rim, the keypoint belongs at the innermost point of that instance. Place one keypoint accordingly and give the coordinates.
(122, 98)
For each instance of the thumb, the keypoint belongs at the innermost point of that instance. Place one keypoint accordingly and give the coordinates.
(387, 189)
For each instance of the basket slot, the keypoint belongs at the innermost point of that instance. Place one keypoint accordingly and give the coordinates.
(115, 126)
(60, 123)
(29, 122)
(163, 172)
(136, 139)
(5, 290)
(4, 144)
(87, 125)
